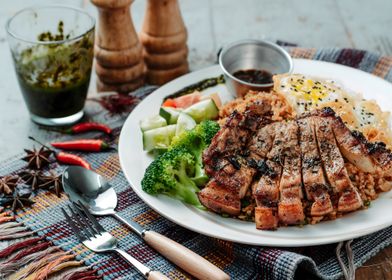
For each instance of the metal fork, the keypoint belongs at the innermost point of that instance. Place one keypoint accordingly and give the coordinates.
(94, 237)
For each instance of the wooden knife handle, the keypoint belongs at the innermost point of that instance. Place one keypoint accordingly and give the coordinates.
(183, 257)
(156, 275)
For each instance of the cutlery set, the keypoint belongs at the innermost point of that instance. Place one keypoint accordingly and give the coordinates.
(94, 237)
(90, 194)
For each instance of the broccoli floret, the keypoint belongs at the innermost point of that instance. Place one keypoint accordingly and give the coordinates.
(171, 174)
(207, 130)
(204, 132)
(179, 171)
(196, 141)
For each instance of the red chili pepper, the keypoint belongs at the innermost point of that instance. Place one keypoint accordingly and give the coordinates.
(88, 126)
(169, 103)
(72, 160)
(82, 127)
(85, 145)
(66, 158)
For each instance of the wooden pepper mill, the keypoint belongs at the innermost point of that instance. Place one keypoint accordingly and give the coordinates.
(118, 52)
(164, 39)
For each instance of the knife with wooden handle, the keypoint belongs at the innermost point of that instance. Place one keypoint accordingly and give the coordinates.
(178, 254)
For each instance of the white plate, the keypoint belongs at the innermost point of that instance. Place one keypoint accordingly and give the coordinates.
(134, 161)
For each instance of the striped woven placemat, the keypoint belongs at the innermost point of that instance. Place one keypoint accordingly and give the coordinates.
(240, 261)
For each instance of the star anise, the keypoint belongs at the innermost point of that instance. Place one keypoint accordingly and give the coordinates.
(37, 158)
(32, 178)
(18, 201)
(8, 184)
(52, 181)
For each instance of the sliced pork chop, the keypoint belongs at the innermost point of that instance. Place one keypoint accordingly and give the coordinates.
(224, 159)
(379, 153)
(290, 208)
(350, 146)
(333, 163)
(266, 193)
(261, 144)
(233, 137)
(315, 185)
(368, 157)
(235, 174)
(230, 139)
(220, 199)
(266, 190)
(235, 177)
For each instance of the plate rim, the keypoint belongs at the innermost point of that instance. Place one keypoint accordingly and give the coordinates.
(320, 241)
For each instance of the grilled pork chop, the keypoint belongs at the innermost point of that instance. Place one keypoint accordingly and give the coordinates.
(351, 147)
(333, 162)
(295, 167)
(314, 182)
(225, 159)
(290, 208)
(266, 190)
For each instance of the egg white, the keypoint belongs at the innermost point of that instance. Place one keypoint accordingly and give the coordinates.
(305, 93)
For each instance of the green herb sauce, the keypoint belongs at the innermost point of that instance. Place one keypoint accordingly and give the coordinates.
(54, 77)
(199, 86)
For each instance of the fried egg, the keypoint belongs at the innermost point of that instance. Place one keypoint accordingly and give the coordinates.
(305, 93)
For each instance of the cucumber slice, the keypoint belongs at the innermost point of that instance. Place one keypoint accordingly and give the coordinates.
(152, 122)
(184, 122)
(169, 114)
(203, 110)
(158, 138)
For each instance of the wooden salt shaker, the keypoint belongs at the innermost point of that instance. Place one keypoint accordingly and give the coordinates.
(164, 39)
(118, 52)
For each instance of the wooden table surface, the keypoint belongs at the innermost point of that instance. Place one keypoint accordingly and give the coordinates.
(359, 24)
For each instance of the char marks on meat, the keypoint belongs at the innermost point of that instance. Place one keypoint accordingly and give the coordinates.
(296, 168)
(290, 208)
(315, 186)
(225, 160)
(333, 162)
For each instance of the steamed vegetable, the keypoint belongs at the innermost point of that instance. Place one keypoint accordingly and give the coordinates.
(184, 122)
(195, 141)
(152, 122)
(158, 138)
(179, 171)
(170, 174)
(203, 110)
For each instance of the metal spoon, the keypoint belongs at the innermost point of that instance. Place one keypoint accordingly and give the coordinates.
(99, 197)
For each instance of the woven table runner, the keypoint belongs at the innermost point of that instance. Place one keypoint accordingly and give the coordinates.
(239, 261)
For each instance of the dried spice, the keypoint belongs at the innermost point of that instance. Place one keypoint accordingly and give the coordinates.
(37, 159)
(18, 201)
(8, 184)
(32, 178)
(117, 104)
(53, 182)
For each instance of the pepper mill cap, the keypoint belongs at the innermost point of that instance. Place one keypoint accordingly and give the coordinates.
(111, 4)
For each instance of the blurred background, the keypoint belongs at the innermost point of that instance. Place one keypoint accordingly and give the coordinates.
(360, 24)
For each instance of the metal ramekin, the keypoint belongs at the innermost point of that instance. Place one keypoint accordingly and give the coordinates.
(252, 54)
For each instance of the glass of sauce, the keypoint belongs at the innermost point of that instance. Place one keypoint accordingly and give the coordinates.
(52, 48)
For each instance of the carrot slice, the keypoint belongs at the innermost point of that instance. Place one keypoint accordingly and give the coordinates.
(169, 103)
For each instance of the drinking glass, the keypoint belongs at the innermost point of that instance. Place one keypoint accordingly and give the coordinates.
(52, 49)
